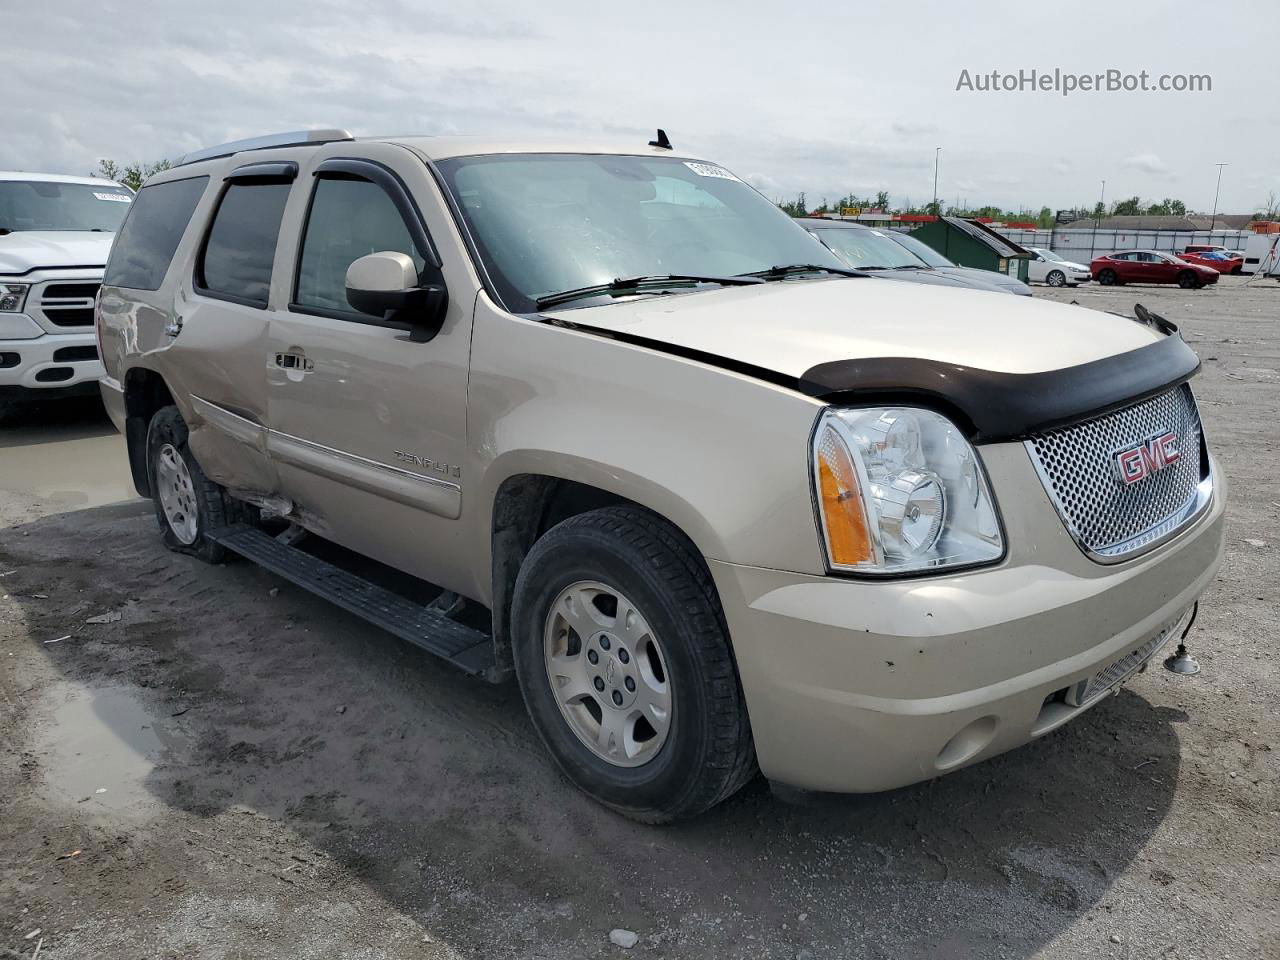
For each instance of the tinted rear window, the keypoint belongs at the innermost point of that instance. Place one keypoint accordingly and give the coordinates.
(236, 263)
(157, 218)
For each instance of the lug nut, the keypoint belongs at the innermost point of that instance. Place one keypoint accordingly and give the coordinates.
(599, 684)
(631, 685)
(593, 657)
(623, 655)
(617, 698)
(604, 643)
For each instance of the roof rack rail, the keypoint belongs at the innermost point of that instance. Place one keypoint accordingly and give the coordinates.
(294, 138)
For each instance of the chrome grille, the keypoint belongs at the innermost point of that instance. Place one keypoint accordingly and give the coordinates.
(1112, 519)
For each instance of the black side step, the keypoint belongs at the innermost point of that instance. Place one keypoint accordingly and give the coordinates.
(429, 628)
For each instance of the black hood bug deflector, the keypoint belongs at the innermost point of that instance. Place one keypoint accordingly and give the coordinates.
(1008, 406)
(989, 406)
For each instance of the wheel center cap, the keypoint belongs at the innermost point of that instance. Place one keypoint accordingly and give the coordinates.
(611, 671)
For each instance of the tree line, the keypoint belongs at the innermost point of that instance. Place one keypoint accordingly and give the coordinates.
(132, 175)
(1044, 218)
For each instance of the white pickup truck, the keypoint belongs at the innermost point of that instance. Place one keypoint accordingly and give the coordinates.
(55, 234)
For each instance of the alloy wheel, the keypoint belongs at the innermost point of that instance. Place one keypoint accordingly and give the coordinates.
(177, 494)
(608, 673)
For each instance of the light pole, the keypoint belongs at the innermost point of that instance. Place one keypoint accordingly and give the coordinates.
(936, 154)
(1214, 219)
(1102, 208)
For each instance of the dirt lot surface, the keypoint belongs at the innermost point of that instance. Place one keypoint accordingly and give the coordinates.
(228, 767)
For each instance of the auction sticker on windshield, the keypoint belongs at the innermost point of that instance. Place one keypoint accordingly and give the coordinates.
(709, 170)
(116, 197)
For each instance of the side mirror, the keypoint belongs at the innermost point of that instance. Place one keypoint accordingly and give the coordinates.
(385, 284)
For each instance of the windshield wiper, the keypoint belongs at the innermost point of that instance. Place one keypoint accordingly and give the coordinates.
(779, 273)
(626, 284)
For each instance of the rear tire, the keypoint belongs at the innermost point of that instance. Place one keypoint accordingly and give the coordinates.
(1188, 280)
(586, 672)
(1056, 278)
(188, 504)
(1108, 278)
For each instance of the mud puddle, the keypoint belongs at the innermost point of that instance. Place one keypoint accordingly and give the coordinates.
(99, 747)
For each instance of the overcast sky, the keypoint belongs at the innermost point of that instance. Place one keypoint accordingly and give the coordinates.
(843, 96)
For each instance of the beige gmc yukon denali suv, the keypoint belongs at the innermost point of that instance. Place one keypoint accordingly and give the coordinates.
(604, 418)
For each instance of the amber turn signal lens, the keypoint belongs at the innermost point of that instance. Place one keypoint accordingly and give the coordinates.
(843, 514)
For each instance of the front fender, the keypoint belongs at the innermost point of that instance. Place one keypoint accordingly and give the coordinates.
(721, 455)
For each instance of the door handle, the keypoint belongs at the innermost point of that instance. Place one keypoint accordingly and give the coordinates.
(294, 361)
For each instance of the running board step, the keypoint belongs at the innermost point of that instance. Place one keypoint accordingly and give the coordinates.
(429, 628)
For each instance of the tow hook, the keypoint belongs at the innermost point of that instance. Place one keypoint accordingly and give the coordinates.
(1181, 662)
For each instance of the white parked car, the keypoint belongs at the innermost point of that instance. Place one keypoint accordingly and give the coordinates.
(1047, 267)
(55, 234)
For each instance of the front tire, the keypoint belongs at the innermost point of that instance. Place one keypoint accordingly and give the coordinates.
(1056, 278)
(188, 504)
(1107, 278)
(624, 662)
(1188, 280)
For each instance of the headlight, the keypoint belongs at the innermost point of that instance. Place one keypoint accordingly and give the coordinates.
(13, 296)
(900, 490)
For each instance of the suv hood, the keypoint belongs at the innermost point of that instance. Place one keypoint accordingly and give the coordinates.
(791, 326)
(25, 251)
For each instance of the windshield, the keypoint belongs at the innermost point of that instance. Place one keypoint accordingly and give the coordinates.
(1050, 255)
(47, 205)
(922, 250)
(547, 223)
(867, 249)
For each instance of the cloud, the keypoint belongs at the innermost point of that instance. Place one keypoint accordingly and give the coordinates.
(157, 78)
(1147, 163)
(914, 129)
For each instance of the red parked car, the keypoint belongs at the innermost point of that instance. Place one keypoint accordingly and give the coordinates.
(1219, 251)
(1214, 259)
(1150, 266)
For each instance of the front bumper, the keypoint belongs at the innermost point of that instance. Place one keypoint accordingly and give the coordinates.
(857, 686)
(51, 361)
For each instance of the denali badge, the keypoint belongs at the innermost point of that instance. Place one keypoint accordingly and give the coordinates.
(1150, 456)
(428, 463)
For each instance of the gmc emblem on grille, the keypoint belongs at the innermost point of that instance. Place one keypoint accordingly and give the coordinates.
(1150, 456)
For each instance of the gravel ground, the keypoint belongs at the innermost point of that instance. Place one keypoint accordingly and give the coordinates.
(235, 769)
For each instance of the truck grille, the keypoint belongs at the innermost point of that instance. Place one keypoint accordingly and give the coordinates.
(1110, 518)
(1087, 691)
(68, 304)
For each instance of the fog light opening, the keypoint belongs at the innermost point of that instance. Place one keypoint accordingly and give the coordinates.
(972, 739)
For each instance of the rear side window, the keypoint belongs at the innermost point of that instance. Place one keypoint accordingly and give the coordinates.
(236, 261)
(349, 219)
(144, 247)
